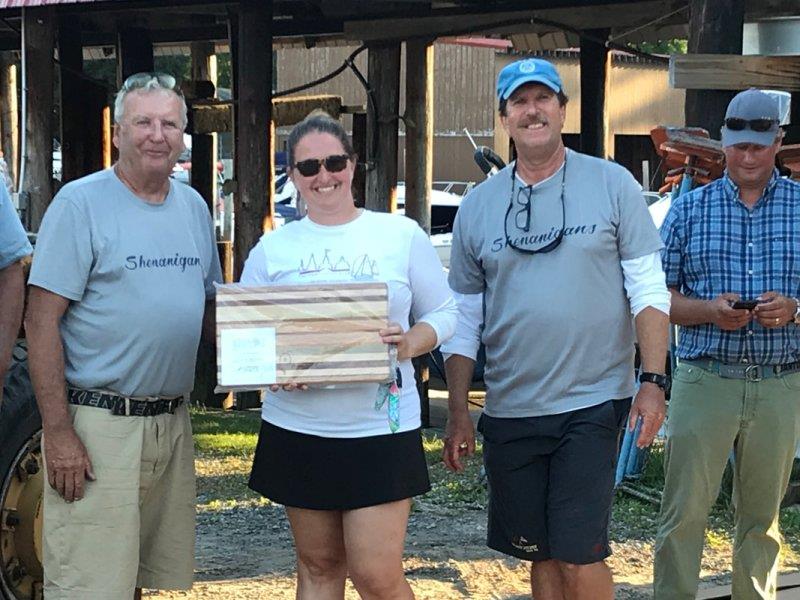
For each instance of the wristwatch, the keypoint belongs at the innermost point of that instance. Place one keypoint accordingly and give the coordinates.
(662, 381)
(796, 318)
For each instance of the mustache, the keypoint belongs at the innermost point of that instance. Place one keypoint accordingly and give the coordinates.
(534, 121)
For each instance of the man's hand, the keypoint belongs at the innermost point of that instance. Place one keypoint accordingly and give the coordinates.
(726, 317)
(649, 404)
(459, 439)
(774, 310)
(68, 464)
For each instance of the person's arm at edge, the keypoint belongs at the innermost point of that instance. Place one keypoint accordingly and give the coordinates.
(68, 463)
(12, 299)
(649, 298)
(460, 354)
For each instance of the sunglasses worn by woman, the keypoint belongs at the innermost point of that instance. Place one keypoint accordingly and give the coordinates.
(333, 164)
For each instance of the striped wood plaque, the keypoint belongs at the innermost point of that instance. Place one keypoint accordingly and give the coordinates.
(325, 333)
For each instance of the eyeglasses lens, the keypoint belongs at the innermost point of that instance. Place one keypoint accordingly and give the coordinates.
(311, 166)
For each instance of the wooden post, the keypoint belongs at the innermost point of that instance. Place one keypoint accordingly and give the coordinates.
(203, 179)
(383, 66)
(594, 73)
(419, 131)
(253, 115)
(715, 27)
(9, 116)
(39, 46)
(134, 52)
(419, 168)
(253, 202)
(360, 147)
(204, 148)
(73, 108)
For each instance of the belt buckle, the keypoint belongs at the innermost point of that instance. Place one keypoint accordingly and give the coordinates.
(753, 373)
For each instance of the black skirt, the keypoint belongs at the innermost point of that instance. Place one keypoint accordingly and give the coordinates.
(319, 473)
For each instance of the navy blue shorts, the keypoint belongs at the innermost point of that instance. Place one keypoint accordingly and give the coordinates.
(551, 482)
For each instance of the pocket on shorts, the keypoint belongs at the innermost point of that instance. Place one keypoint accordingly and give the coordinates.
(688, 373)
(791, 381)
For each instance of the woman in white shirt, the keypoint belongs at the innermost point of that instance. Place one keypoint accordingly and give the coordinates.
(346, 460)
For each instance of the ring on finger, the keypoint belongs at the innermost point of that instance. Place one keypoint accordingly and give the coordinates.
(462, 446)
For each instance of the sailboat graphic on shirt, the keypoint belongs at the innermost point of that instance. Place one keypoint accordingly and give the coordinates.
(363, 268)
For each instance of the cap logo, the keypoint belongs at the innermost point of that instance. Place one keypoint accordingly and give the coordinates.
(527, 66)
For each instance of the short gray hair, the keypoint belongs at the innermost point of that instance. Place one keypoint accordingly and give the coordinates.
(149, 84)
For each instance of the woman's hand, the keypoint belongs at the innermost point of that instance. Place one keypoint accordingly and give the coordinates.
(393, 334)
(418, 340)
(288, 387)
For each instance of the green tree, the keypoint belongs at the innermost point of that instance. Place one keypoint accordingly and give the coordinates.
(674, 46)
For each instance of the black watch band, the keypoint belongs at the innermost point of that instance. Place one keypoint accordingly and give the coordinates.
(659, 379)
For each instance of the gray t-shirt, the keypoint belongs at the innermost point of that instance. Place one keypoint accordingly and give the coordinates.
(13, 242)
(137, 274)
(557, 326)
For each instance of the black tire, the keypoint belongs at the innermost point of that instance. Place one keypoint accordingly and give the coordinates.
(20, 483)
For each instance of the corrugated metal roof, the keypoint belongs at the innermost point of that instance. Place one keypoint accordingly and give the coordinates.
(28, 3)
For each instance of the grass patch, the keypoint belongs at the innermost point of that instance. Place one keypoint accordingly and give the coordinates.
(454, 490)
(224, 444)
(218, 433)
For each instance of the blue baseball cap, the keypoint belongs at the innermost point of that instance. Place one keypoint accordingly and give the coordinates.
(746, 106)
(528, 70)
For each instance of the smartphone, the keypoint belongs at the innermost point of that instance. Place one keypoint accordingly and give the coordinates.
(745, 304)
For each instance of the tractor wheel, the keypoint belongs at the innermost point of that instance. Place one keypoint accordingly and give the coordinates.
(21, 480)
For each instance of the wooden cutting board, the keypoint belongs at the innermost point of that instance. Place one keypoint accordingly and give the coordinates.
(313, 334)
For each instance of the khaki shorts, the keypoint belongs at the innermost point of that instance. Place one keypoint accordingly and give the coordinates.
(135, 525)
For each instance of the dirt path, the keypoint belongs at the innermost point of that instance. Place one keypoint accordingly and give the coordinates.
(247, 553)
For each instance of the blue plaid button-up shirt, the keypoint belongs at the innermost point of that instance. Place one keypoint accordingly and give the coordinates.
(714, 244)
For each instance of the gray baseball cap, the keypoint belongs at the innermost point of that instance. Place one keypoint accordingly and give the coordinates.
(746, 119)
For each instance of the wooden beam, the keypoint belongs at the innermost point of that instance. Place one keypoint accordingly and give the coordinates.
(360, 147)
(734, 72)
(208, 117)
(204, 155)
(253, 203)
(134, 52)
(39, 46)
(9, 116)
(715, 27)
(73, 133)
(291, 110)
(383, 66)
(419, 169)
(419, 131)
(595, 70)
(617, 15)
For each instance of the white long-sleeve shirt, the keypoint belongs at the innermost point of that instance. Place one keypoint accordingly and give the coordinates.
(373, 247)
(644, 286)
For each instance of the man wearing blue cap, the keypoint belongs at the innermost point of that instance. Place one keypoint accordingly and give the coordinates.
(732, 263)
(551, 257)
(14, 246)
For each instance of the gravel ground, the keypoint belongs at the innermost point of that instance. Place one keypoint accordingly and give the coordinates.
(246, 552)
(244, 546)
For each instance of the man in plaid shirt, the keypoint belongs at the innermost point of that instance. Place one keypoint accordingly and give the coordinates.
(732, 263)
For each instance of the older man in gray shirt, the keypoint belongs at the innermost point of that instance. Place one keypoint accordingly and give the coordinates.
(552, 257)
(122, 276)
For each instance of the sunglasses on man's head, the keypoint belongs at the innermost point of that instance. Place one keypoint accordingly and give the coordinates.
(760, 125)
(333, 164)
(140, 80)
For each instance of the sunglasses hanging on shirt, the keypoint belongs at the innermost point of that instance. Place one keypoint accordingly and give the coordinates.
(333, 164)
(522, 219)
